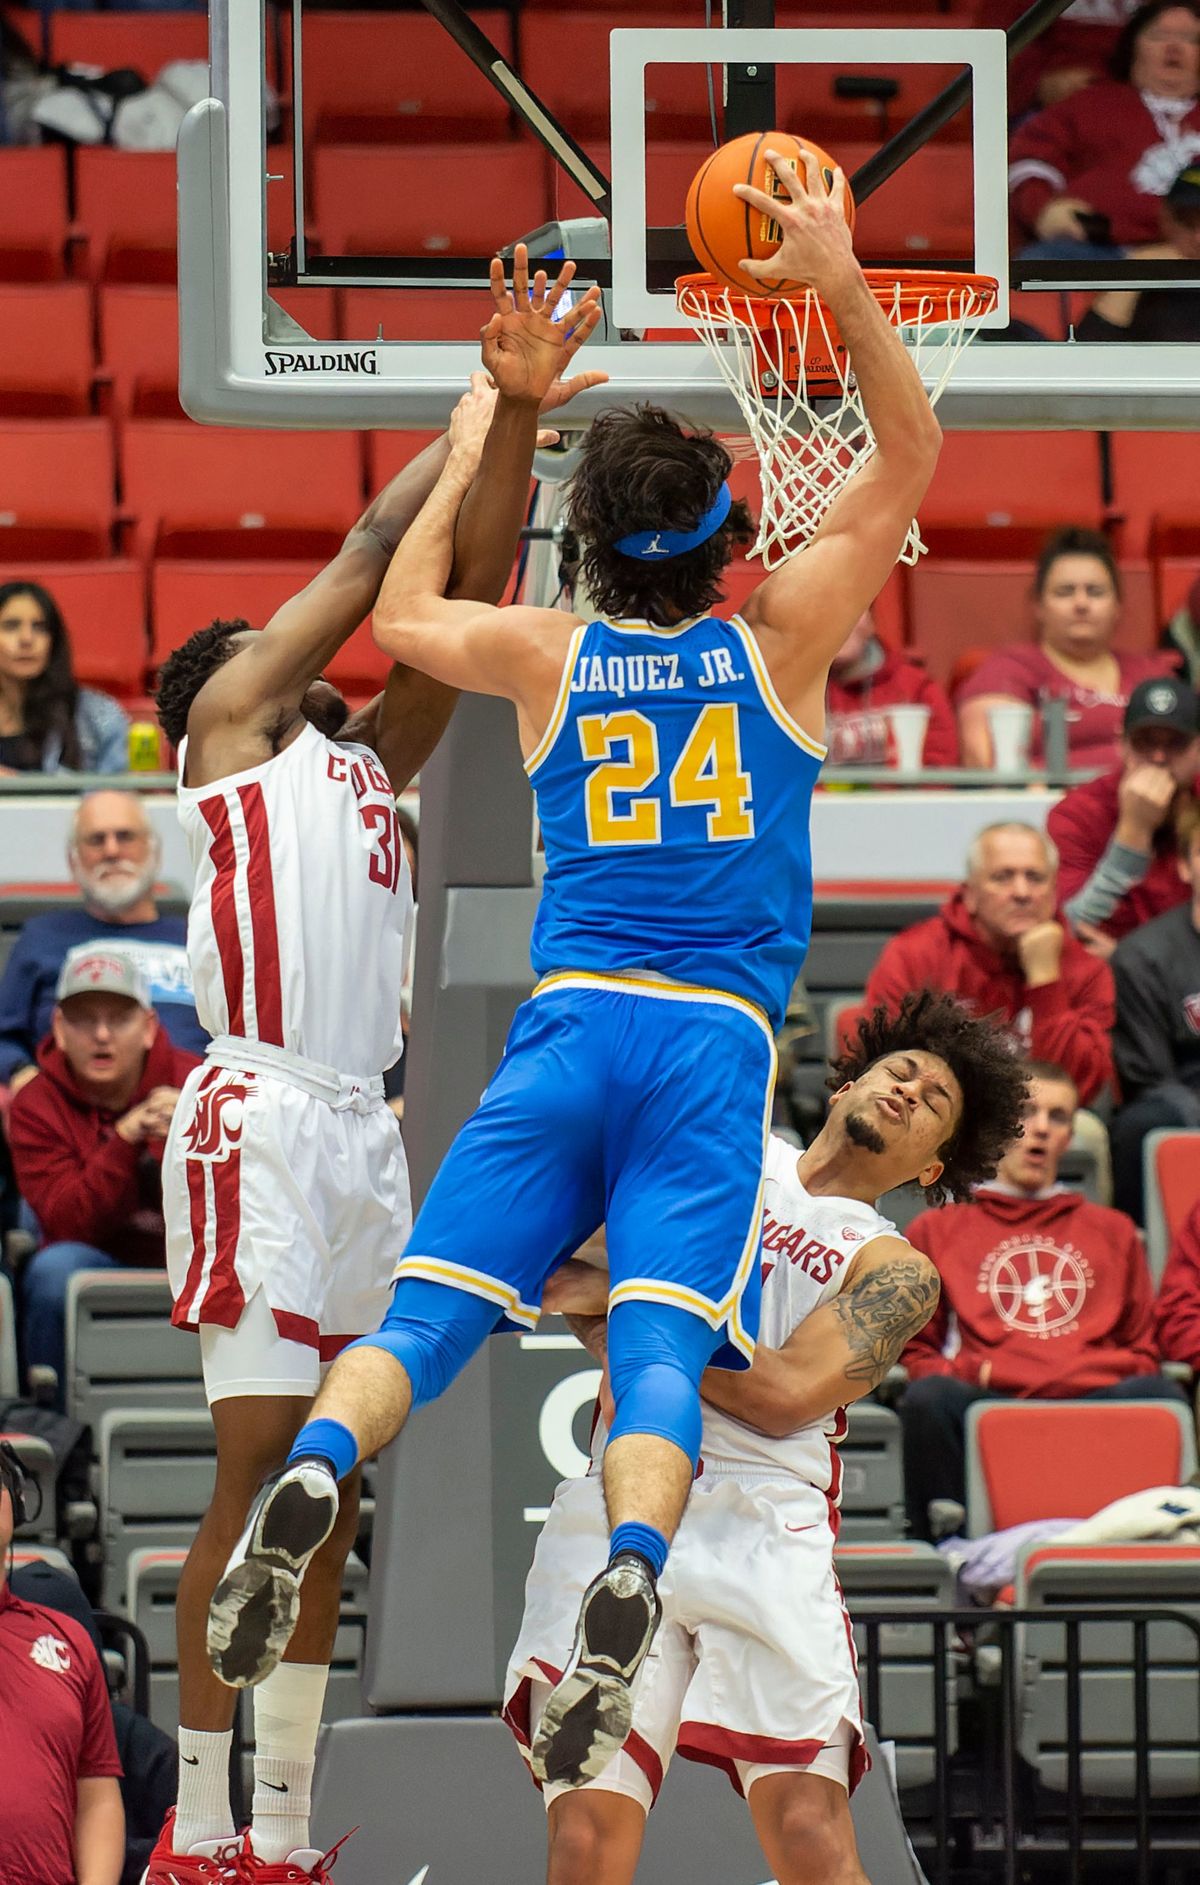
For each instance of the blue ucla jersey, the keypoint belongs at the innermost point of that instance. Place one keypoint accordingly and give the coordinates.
(674, 794)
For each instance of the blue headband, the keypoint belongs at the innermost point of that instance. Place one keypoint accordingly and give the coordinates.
(648, 545)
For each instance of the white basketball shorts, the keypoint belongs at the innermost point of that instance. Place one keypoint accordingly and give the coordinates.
(269, 1189)
(753, 1668)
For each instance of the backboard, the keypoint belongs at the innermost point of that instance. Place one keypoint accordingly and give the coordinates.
(605, 180)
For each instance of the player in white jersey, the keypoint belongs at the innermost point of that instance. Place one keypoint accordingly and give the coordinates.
(285, 1187)
(753, 1669)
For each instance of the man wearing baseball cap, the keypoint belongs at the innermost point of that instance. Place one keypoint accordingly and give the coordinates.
(87, 1137)
(1163, 314)
(1115, 834)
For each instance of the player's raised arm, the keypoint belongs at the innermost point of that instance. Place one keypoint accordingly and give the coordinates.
(815, 599)
(841, 1351)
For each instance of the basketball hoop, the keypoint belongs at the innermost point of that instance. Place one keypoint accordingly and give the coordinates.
(780, 356)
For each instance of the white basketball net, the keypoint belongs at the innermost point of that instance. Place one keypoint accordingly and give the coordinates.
(810, 441)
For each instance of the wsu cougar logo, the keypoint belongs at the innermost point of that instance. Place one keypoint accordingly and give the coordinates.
(216, 1127)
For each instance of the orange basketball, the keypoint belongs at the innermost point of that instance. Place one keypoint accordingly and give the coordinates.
(723, 230)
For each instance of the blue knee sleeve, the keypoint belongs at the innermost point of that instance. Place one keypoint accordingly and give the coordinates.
(432, 1330)
(656, 1356)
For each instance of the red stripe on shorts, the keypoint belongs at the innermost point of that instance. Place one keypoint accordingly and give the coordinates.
(296, 1328)
(268, 1001)
(223, 1300)
(215, 814)
(721, 1747)
(198, 1218)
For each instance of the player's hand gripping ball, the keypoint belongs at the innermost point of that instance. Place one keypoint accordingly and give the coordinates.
(723, 230)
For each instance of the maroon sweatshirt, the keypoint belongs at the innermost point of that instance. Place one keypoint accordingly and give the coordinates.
(1082, 825)
(79, 1177)
(856, 731)
(1052, 1292)
(1109, 145)
(1068, 1021)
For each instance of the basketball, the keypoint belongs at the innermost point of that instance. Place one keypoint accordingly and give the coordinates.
(723, 230)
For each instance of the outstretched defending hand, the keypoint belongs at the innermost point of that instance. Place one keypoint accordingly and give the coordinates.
(524, 348)
(816, 246)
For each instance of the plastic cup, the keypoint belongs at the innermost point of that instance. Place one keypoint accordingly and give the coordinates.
(1010, 727)
(908, 726)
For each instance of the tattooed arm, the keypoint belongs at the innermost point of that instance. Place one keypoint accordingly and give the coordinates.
(841, 1351)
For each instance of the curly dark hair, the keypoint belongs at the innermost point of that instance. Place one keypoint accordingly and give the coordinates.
(1120, 64)
(185, 671)
(641, 469)
(52, 697)
(983, 1060)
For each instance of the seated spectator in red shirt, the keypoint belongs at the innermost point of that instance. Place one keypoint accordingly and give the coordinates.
(865, 680)
(1116, 834)
(1044, 1294)
(1077, 603)
(998, 946)
(1072, 52)
(1170, 314)
(1177, 1316)
(87, 1137)
(61, 1820)
(1156, 1042)
(1085, 175)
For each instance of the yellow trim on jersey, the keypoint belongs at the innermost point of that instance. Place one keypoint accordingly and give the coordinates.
(636, 626)
(766, 688)
(664, 990)
(474, 1282)
(554, 724)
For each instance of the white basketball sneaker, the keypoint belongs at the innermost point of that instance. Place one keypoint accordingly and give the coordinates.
(255, 1606)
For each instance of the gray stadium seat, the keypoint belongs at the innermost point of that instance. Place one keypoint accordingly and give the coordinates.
(902, 1577)
(37, 1457)
(872, 1474)
(8, 1340)
(24, 1554)
(121, 1349)
(157, 1469)
(1123, 1576)
(153, 1584)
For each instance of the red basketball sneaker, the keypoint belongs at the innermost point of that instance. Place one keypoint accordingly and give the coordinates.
(305, 1866)
(213, 1861)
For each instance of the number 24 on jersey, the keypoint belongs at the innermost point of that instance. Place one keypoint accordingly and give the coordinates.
(707, 774)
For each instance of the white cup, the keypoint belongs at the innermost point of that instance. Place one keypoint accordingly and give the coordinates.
(908, 726)
(1010, 727)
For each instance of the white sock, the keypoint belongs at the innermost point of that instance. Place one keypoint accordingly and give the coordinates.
(287, 1715)
(203, 1810)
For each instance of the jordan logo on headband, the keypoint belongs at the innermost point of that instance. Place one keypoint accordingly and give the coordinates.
(647, 543)
(655, 547)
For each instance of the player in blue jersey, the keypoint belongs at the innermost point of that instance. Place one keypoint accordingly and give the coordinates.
(673, 754)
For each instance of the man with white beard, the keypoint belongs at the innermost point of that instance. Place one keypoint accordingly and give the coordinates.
(114, 857)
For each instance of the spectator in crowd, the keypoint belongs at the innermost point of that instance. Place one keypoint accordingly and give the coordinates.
(87, 1137)
(1044, 1294)
(1115, 834)
(61, 1820)
(1077, 604)
(48, 723)
(1072, 52)
(1085, 175)
(114, 857)
(865, 680)
(1177, 1316)
(1156, 1042)
(999, 947)
(1164, 314)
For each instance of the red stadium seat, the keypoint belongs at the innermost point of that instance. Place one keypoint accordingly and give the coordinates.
(200, 491)
(389, 452)
(982, 478)
(1087, 1453)
(413, 313)
(57, 494)
(145, 41)
(186, 595)
(565, 61)
(954, 608)
(397, 77)
(670, 167)
(104, 607)
(1153, 474)
(33, 214)
(139, 348)
(1174, 561)
(379, 199)
(125, 205)
(1177, 1170)
(927, 208)
(45, 348)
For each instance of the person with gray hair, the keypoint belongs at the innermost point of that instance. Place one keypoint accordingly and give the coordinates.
(114, 855)
(1000, 946)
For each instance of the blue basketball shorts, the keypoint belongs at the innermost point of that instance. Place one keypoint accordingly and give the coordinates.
(640, 1105)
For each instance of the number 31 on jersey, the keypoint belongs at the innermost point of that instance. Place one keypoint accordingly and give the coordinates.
(623, 748)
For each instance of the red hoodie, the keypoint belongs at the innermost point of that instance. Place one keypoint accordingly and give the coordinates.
(1068, 1021)
(1052, 1292)
(1177, 1320)
(1082, 825)
(856, 731)
(79, 1177)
